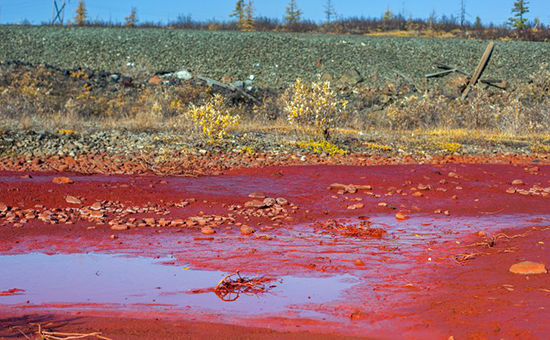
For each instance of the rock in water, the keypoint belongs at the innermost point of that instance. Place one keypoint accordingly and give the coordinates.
(528, 268)
(246, 230)
(206, 230)
(62, 180)
(72, 200)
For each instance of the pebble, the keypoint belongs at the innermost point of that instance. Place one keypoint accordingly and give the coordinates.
(177, 222)
(258, 195)
(401, 216)
(119, 227)
(246, 230)
(62, 180)
(356, 206)
(281, 201)
(3, 207)
(206, 230)
(149, 221)
(269, 202)
(517, 182)
(528, 268)
(72, 199)
(96, 206)
(255, 204)
(424, 187)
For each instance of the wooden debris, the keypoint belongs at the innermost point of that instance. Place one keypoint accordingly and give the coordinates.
(45, 335)
(479, 69)
(446, 70)
(440, 73)
(232, 285)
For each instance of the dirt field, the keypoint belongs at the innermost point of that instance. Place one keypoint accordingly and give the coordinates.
(415, 251)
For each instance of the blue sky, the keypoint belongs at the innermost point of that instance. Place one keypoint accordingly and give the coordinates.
(495, 11)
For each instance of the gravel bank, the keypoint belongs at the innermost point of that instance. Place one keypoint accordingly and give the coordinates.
(275, 59)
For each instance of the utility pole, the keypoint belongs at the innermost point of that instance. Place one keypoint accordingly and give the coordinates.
(58, 12)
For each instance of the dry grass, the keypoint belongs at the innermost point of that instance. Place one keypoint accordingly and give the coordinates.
(397, 115)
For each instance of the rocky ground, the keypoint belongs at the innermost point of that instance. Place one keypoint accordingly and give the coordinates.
(275, 59)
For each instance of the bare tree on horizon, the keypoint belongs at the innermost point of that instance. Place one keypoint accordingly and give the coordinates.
(330, 12)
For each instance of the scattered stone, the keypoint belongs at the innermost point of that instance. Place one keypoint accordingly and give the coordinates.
(246, 230)
(358, 263)
(164, 222)
(206, 230)
(177, 222)
(120, 227)
(72, 199)
(96, 206)
(62, 180)
(401, 216)
(97, 214)
(155, 80)
(149, 221)
(356, 206)
(452, 174)
(517, 182)
(258, 195)
(352, 77)
(281, 201)
(183, 75)
(337, 186)
(528, 268)
(417, 194)
(3, 207)
(350, 188)
(255, 204)
(269, 202)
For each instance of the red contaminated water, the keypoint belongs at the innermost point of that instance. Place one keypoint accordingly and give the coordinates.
(401, 282)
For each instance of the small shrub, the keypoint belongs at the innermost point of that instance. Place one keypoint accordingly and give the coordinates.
(321, 147)
(314, 105)
(412, 112)
(213, 118)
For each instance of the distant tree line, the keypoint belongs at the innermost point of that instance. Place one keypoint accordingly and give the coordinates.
(243, 18)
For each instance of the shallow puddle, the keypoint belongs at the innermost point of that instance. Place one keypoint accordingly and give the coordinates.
(143, 282)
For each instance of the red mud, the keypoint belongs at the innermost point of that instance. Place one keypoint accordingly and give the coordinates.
(430, 276)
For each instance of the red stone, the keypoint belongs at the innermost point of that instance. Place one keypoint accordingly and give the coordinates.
(528, 268)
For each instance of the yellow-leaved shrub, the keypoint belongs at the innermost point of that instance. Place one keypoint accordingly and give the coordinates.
(213, 119)
(314, 105)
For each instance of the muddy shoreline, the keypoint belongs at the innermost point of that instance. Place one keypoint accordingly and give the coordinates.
(437, 265)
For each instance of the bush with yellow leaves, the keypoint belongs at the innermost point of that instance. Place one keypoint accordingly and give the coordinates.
(214, 119)
(314, 105)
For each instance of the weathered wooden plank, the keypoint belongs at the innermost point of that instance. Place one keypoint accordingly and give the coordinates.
(479, 69)
(441, 73)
